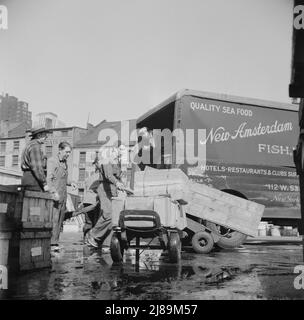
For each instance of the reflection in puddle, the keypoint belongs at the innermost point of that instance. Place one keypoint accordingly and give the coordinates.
(79, 272)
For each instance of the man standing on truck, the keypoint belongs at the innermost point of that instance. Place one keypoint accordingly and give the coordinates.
(57, 179)
(32, 162)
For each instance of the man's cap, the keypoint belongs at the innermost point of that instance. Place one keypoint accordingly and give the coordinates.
(34, 132)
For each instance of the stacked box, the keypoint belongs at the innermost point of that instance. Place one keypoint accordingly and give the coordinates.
(5, 237)
(30, 250)
(26, 218)
(37, 211)
(11, 199)
(154, 182)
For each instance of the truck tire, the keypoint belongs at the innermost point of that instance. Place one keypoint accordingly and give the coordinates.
(202, 242)
(231, 239)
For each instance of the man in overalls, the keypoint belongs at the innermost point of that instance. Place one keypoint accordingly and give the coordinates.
(57, 179)
(110, 177)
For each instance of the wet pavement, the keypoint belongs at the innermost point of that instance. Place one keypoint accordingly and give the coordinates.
(248, 272)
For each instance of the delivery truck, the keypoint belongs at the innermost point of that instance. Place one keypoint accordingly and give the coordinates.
(248, 142)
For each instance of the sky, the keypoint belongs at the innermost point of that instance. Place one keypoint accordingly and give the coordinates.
(116, 59)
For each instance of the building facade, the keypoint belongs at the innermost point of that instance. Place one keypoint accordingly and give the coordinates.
(10, 153)
(87, 148)
(11, 148)
(47, 120)
(13, 113)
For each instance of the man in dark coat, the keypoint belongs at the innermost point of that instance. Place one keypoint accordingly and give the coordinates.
(33, 163)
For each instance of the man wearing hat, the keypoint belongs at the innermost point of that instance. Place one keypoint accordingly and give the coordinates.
(33, 162)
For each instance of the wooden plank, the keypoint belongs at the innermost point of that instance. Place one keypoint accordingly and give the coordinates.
(36, 225)
(225, 197)
(10, 188)
(35, 234)
(40, 195)
(25, 209)
(218, 204)
(245, 223)
(274, 239)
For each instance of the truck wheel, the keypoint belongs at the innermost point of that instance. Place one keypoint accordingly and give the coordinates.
(174, 247)
(229, 238)
(116, 249)
(202, 242)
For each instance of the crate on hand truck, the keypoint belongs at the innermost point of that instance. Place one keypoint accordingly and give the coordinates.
(139, 217)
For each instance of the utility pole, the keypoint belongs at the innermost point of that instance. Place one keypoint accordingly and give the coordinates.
(296, 90)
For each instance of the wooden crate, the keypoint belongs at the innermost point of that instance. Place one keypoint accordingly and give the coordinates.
(172, 214)
(11, 198)
(5, 237)
(224, 209)
(30, 250)
(154, 182)
(37, 211)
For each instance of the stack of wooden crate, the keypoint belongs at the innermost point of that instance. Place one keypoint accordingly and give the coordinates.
(27, 217)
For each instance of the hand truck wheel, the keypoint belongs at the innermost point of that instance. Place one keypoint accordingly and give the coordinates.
(202, 242)
(174, 247)
(116, 249)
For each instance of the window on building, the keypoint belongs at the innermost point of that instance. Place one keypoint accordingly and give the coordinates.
(49, 151)
(2, 161)
(48, 123)
(16, 146)
(81, 174)
(2, 146)
(15, 161)
(81, 192)
(82, 157)
(64, 133)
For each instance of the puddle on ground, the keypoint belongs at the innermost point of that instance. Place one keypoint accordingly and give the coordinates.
(82, 273)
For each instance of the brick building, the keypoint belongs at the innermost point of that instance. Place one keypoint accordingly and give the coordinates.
(13, 113)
